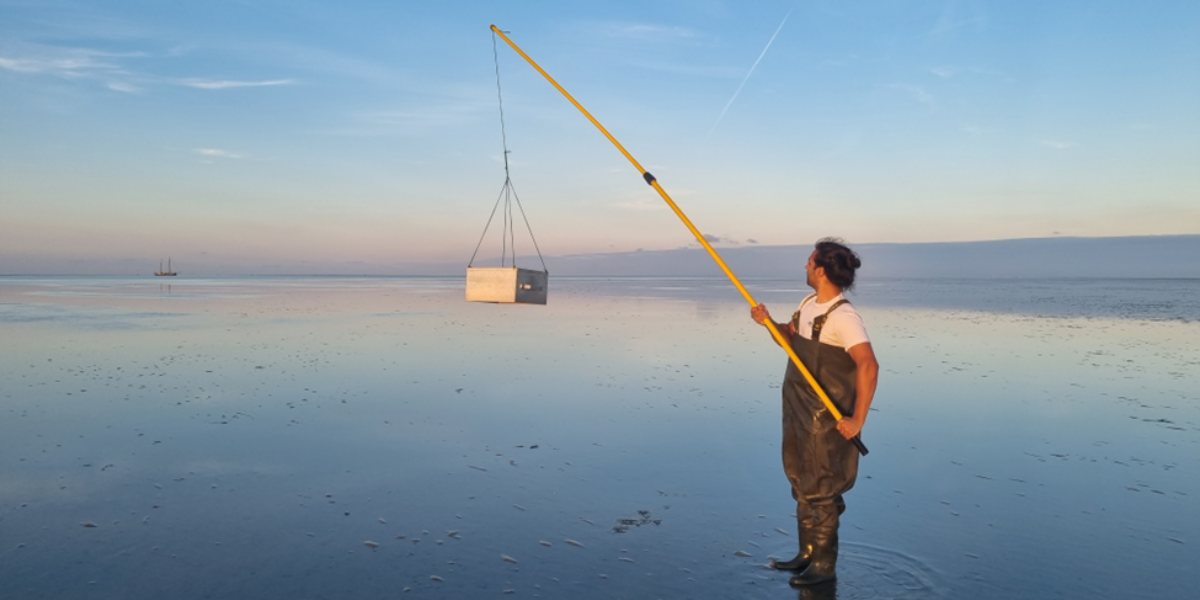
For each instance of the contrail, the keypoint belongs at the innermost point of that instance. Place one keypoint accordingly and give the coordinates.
(749, 73)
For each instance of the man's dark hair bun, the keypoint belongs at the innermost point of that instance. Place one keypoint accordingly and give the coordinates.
(839, 262)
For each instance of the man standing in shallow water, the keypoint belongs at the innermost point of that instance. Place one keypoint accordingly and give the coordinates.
(819, 460)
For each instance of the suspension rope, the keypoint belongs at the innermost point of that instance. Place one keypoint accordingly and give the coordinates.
(522, 209)
(489, 221)
(507, 233)
(500, 101)
(508, 193)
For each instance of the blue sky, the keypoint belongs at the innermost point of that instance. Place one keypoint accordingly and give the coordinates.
(360, 134)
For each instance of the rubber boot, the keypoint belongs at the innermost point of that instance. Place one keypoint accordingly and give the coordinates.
(824, 538)
(804, 557)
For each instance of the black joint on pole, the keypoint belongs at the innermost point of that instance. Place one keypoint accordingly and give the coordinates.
(649, 178)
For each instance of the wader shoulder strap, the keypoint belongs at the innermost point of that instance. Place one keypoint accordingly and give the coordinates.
(819, 322)
(796, 315)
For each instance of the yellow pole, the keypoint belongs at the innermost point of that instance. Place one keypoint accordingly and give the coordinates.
(783, 342)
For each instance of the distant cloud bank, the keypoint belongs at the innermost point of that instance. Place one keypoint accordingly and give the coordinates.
(1135, 257)
(1057, 257)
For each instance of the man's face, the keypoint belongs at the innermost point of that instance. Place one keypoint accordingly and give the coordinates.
(810, 270)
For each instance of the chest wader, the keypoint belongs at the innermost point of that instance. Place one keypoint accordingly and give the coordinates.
(819, 462)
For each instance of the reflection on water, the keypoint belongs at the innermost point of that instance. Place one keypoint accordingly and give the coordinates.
(306, 437)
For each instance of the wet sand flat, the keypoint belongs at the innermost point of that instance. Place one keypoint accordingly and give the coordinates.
(318, 437)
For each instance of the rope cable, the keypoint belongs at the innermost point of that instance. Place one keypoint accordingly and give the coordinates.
(512, 225)
(500, 101)
(507, 233)
(489, 223)
(508, 221)
(522, 209)
(508, 241)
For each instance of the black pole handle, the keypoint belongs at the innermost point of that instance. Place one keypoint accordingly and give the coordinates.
(862, 448)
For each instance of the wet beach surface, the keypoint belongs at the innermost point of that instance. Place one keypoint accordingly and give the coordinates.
(320, 437)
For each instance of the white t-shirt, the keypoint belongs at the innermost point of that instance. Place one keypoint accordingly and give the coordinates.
(843, 328)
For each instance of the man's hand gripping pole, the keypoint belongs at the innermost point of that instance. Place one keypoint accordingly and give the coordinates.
(783, 342)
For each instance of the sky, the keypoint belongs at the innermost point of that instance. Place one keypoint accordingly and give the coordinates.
(362, 135)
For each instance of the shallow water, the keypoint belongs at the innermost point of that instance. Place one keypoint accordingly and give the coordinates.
(246, 437)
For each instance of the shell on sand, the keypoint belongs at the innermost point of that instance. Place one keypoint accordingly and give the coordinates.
(742, 554)
(573, 543)
(435, 578)
(507, 558)
(370, 544)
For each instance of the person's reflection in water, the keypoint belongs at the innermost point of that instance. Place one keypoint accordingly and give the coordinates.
(820, 591)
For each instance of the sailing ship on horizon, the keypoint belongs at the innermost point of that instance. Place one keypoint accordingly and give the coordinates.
(168, 273)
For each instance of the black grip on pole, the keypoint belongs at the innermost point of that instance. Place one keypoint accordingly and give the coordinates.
(862, 448)
(648, 177)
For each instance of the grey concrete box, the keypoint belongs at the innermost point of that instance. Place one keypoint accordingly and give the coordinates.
(506, 284)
